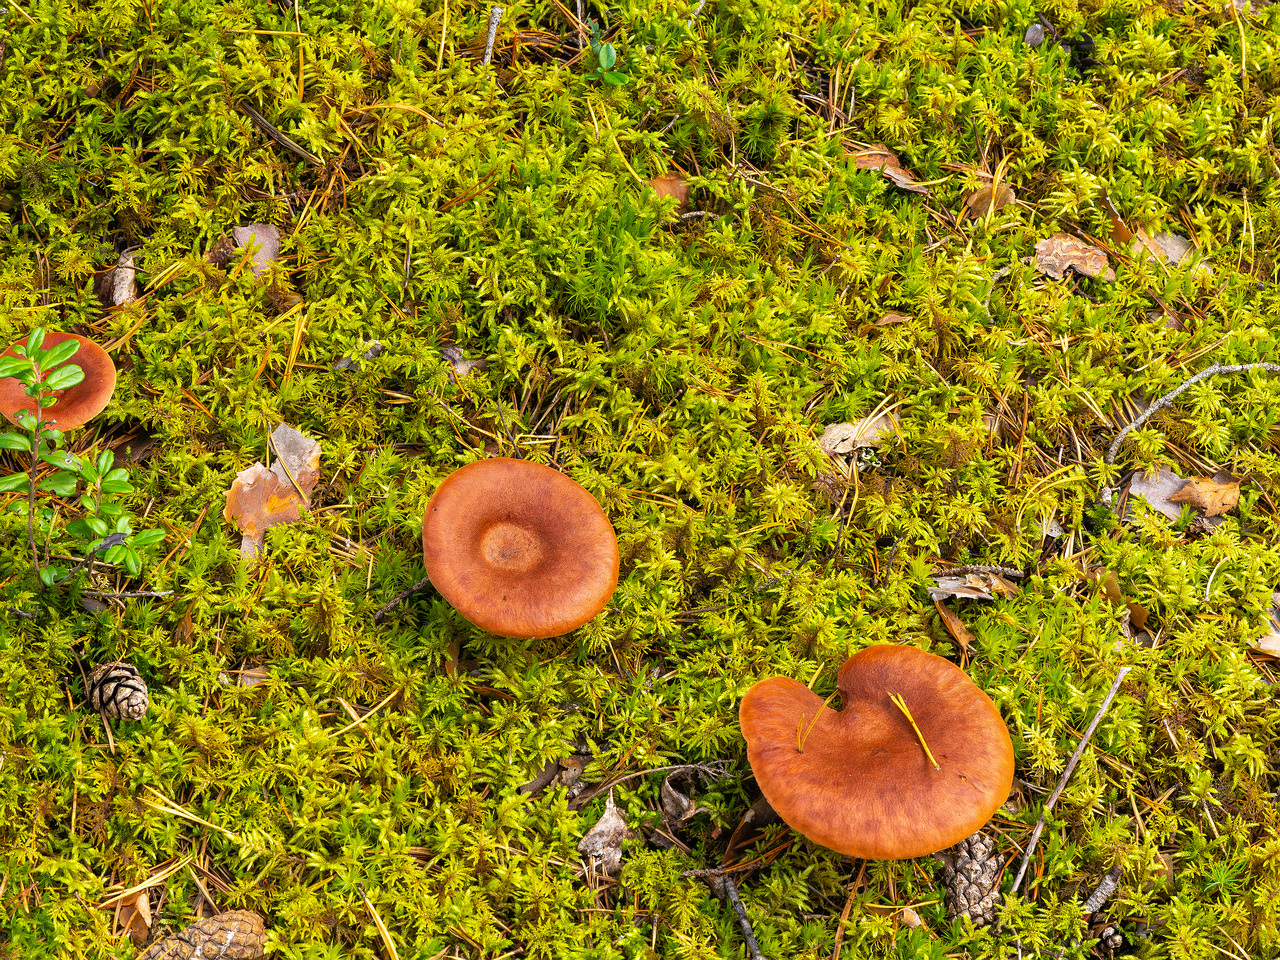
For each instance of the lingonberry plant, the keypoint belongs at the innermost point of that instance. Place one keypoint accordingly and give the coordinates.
(105, 527)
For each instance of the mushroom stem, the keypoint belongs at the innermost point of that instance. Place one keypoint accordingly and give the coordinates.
(902, 705)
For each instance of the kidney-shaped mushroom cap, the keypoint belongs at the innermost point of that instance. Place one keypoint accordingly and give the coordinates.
(519, 549)
(76, 405)
(863, 785)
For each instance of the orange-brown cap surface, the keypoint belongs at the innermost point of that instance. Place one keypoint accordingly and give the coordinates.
(863, 785)
(76, 405)
(519, 549)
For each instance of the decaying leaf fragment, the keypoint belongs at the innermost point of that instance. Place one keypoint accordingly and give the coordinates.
(955, 626)
(675, 187)
(234, 935)
(677, 807)
(261, 498)
(266, 238)
(118, 285)
(602, 844)
(1269, 642)
(133, 914)
(1214, 496)
(842, 438)
(988, 200)
(1060, 252)
(1165, 492)
(461, 366)
(971, 586)
(879, 157)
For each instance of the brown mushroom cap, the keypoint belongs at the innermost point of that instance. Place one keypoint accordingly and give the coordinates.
(863, 785)
(76, 405)
(519, 549)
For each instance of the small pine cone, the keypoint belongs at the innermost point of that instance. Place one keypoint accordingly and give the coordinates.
(972, 875)
(118, 691)
(234, 935)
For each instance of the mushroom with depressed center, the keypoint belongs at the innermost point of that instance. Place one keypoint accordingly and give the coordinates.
(917, 759)
(76, 405)
(519, 549)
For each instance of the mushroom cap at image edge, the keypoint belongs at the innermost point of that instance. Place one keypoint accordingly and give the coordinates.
(519, 549)
(863, 784)
(76, 405)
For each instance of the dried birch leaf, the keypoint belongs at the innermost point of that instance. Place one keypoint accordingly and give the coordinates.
(988, 200)
(252, 676)
(261, 498)
(267, 240)
(675, 187)
(135, 917)
(461, 366)
(1060, 252)
(955, 626)
(971, 586)
(1120, 234)
(677, 808)
(119, 285)
(602, 844)
(879, 157)
(1214, 496)
(1157, 489)
(842, 438)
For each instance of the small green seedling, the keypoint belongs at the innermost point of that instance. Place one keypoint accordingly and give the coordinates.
(606, 57)
(106, 526)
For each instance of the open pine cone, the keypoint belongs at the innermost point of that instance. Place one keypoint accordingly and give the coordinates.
(971, 871)
(116, 690)
(234, 935)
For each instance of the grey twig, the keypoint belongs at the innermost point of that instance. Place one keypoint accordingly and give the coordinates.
(1168, 398)
(114, 540)
(980, 568)
(1106, 889)
(400, 598)
(125, 593)
(494, 16)
(1066, 775)
(722, 886)
(696, 12)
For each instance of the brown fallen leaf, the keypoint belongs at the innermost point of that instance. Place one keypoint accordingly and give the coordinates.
(1060, 252)
(749, 829)
(675, 187)
(988, 200)
(252, 676)
(119, 284)
(220, 253)
(185, 629)
(602, 844)
(261, 498)
(1213, 495)
(1120, 234)
(266, 238)
(133, 916)
(955, 626)
(879, 157)
(971, 586)
(677, 807)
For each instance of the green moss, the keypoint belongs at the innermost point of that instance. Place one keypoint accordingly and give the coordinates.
(680, 369)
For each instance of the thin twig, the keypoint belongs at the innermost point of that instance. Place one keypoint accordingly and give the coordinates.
(114, 540)
(1105, 890)
(1168, 398)
(724, 888)
(494, 16)
(697, 11)
(712, 771)
(401, 597)
(980, 568)
(1066, 775)
(123, 594)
